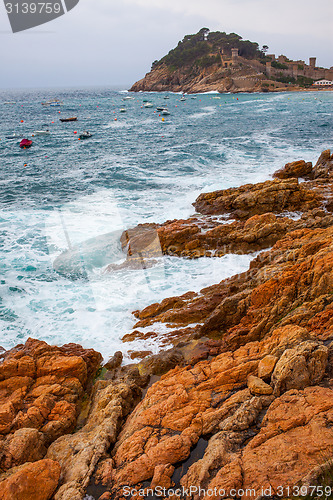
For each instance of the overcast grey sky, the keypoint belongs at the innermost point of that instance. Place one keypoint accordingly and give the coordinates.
(109, 42)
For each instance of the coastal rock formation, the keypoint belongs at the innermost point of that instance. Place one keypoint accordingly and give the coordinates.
(32, 481)
(255, 199)
(294, 169)
(244, 399)
(41, 389)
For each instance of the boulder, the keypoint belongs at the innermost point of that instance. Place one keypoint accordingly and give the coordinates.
(295, 169)
(32, 481)
(300, 367)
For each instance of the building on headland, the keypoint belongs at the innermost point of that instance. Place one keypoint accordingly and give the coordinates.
(323, 83)
(282, 66)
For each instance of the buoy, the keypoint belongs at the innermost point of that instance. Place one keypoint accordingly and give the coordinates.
(237, 98)
(22, 121)
(115, 119)
(25, 164)
(52, 122)
(162, 119)
(79, 139)
(32, 135)
(75, 132)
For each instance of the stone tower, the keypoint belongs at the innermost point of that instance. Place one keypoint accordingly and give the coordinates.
(312, 62)
(234, 55)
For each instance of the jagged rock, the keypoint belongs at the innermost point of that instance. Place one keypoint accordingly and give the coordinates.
(187, 403)
(25, 445)
(266, 366)
(162, 476)
(324, 166)
(79, 453)
(254, 199)
(295, 435)
(258, 387)
(32, 481)
(300, 367)
(115, 361)
(296, 169)
(161, 363)
(40, 391)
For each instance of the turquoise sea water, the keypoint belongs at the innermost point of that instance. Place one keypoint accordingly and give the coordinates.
(63, 192)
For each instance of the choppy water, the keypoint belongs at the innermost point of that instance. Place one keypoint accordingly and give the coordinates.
(63, 192)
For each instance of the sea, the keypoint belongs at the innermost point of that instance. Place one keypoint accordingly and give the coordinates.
(70, 199)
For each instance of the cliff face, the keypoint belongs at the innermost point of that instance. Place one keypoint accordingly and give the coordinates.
(246, 78)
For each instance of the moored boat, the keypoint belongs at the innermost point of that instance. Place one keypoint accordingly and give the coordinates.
(165, 111)
(148, 104)
(14, 136)
(71, 119)
(85, 135)
(41, 132)
(25, 143)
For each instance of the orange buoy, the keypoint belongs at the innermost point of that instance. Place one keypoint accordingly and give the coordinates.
(22, 121)
(75, 132)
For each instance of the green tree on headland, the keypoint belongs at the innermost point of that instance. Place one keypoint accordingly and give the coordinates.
(193, 48)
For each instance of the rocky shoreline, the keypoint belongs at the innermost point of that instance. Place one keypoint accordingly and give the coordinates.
(244, 399)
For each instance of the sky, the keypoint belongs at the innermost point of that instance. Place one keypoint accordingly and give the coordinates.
(113, 42)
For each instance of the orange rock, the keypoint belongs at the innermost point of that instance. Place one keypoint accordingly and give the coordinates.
(33, 481)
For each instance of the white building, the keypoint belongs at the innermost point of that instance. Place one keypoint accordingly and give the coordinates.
(325, 83)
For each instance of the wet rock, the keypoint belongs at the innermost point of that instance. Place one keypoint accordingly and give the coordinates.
(161, 363)
(295, 169)
(324, 166)
(32, 481)
(115, 361)
(254, 199)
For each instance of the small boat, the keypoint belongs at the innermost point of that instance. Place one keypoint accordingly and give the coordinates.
(41, 132)
(193, 97)
(160, 108)
(85, 135)
(183, 98)
(148, 104)
(25, 143)
(128, 98)
(71, 119)
(52, 102)
(166, 97)
(9, 102)
(122, 110)
(165, 111)
(14, 136)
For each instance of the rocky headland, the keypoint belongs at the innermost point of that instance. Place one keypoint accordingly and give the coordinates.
(244, 398)
(220, 62)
